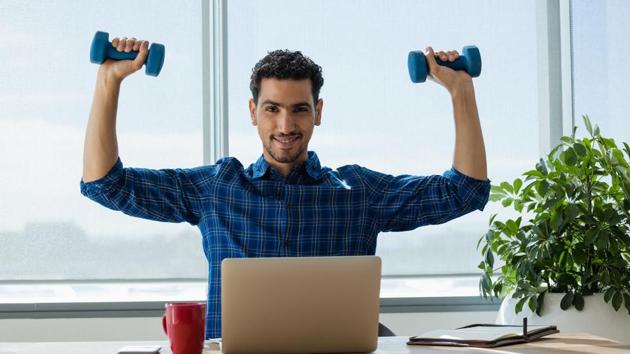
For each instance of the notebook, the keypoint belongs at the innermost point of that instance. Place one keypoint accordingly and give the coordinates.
(300, 305)
(484, 335)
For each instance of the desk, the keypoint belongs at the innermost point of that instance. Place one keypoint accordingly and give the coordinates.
(560, 343)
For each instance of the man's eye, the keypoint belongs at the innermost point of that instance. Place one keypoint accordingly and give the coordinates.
(301, 109)
(271, 109)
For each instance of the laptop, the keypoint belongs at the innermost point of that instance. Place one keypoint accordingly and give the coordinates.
(300, 305)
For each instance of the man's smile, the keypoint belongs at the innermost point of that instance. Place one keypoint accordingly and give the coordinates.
(286, 141)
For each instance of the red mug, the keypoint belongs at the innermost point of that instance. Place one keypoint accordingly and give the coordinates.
(185, 325)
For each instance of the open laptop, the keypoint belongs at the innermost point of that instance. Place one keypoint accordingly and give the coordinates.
(300, 305)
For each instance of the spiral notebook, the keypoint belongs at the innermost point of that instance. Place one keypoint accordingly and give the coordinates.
(484, 335)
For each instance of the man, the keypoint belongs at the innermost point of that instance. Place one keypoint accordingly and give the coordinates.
(284, 204)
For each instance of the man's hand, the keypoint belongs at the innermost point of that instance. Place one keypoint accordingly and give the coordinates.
(116, 70)
(453, 80)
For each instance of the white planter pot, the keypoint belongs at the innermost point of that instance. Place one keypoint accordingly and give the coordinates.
(597, 318)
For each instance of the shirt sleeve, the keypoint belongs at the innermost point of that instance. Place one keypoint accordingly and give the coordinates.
(402, 203)
(170, 195)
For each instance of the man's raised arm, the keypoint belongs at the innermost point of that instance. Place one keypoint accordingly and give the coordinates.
(100, 150)
(470, 154)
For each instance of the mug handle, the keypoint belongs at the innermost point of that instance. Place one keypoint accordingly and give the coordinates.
(164, 324)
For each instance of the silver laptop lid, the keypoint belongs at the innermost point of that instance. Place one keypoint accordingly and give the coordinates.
(300, 305)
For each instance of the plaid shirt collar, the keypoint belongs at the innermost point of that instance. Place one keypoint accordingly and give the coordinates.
(311, 165)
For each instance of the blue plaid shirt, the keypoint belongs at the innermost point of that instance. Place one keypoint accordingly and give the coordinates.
(257, 212)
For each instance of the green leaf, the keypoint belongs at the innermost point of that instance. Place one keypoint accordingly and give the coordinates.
(608, 142)
(588, 125)
(482, 291)
(580, 149)
(511, 227)
(566, 301)
(608, 294)
(507, 202)
(578, 301)
(563, 260)
(602, 240)
(518, 183)
(580, 257)
(507, 187)
(540, 167)
(532, 303)
(590, 236)
(519, 305)
(616, 300)
(610, 214)
(495, 197)
(498, 190)
(556, 220)
(489, 258)
(534, 173)
(571, 211)
(626, 300)
(490, 235)
(543, 188)
(570, 158)
(486, 282)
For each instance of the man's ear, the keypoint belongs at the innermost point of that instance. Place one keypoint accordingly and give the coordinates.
(252, 111)
(318, 111)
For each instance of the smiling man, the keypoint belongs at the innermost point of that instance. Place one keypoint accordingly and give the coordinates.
(285, 203)
(285, 119)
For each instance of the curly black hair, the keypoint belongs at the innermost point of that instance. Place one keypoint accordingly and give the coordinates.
(286, 65)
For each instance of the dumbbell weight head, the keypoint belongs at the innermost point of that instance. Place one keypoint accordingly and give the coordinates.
(102, 49)
(155, 60)
(469, 61)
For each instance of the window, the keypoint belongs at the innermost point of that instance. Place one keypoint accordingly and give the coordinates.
(48, 230)
(600, 70)
(374, 116)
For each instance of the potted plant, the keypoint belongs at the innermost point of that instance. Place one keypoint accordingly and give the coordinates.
(571, 240)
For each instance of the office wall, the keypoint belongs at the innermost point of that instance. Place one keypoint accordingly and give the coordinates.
(123, 329)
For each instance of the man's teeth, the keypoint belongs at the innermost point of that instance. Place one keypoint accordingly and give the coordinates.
(286, 139)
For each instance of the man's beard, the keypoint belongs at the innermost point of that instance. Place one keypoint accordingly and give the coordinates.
(287, 158)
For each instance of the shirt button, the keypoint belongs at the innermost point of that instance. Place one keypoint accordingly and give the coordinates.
(286, 242)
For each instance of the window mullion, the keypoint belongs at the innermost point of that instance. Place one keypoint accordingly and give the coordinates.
(549, 74)
(215, 86)
(566, 52)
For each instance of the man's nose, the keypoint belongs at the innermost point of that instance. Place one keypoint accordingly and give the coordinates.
(286, 123)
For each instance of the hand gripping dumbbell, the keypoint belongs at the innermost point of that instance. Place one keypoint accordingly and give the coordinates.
(102, 49)
(469, 61)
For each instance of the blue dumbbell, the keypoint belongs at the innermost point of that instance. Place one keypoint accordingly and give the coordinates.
(469, 61)
(102, 49)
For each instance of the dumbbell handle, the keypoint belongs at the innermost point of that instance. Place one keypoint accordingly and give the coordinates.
(114, 54)
(457, 64)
